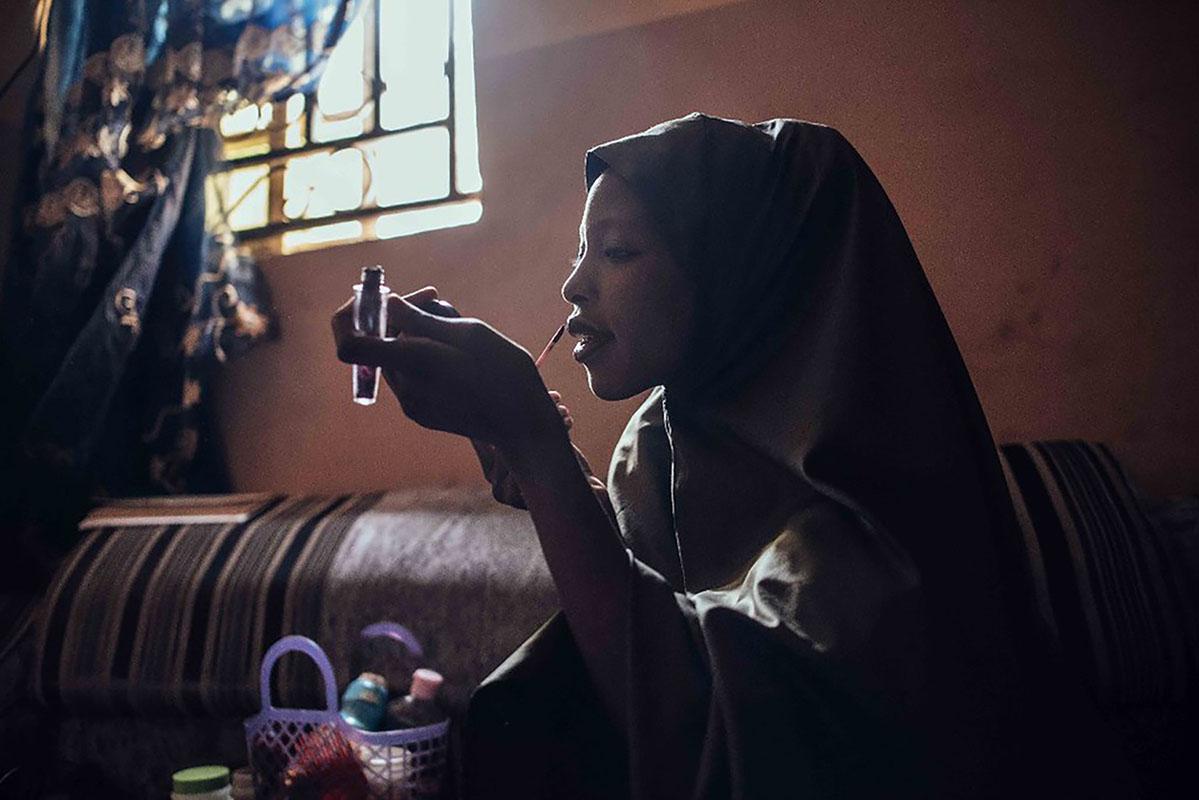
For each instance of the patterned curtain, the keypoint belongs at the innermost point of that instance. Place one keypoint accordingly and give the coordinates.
(117, 304)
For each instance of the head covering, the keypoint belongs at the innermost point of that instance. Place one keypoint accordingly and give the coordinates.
(825, 354)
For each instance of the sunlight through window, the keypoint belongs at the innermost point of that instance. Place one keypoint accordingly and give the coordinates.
(386, 146)
(410, 167)
(319, 236)
(242, 195)
(448, 215)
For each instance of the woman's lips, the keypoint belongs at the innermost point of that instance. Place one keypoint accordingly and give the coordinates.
(589, 344)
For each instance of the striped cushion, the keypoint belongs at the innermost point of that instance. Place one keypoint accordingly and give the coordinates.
(176, 618)
(148, 618)
(1103, 586)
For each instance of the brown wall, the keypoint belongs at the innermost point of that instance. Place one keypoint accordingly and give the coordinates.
(1043, 161)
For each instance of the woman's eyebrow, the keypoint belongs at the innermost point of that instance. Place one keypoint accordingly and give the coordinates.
(600, 226)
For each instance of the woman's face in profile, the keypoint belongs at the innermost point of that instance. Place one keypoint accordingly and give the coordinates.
(634, 308)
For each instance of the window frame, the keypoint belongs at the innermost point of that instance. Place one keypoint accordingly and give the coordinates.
(269, 239)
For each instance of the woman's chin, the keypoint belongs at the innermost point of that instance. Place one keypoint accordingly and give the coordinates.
(606, 386)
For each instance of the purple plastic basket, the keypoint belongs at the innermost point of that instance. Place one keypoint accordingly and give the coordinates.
(398, 765)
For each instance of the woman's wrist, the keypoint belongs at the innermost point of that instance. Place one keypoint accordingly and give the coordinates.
(542, 451)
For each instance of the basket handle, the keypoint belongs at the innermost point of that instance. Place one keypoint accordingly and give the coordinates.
(396, 631)
(300, 644)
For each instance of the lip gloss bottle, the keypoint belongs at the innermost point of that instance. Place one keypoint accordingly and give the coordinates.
(370, 319)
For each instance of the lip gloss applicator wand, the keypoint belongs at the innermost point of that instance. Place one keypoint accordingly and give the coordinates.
(550, 346)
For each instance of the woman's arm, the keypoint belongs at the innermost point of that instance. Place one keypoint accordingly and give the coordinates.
(461, 376)
(504, 487)
(585, 554)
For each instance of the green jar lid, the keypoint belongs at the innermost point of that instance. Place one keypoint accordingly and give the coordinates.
(197, 780)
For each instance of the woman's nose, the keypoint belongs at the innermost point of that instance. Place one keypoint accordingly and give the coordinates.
(573, 289)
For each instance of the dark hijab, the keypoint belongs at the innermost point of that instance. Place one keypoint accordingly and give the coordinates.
(824, 348)
(825, 593)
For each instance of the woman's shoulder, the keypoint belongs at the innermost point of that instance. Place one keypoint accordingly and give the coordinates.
(828, 574)
(828, 535)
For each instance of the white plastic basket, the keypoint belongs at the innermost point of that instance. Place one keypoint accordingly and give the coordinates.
(407, 764)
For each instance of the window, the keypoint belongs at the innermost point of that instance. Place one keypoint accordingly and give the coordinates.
(386, 146)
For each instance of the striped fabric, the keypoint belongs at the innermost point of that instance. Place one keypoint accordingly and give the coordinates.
(175, 619)
(178, 616)
(1103, 585)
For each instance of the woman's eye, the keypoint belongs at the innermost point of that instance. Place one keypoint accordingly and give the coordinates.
(618, 254)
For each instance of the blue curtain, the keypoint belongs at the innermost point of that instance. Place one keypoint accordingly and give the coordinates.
(117, 305)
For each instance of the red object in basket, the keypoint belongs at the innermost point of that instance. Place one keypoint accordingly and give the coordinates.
(325, 767)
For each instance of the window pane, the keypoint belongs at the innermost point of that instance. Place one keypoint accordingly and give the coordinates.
(310, 238)
(415, 36)
(243, 194)
(419, 220)
(321, 184)
(246, 146)
(343, 108)
(414, 99)
(466, 130)
(294, 134)
(246, 120)
(410, 167)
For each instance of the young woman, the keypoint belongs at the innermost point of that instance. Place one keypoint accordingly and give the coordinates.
(800, 577)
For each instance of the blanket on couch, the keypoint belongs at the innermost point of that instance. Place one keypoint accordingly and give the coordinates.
(175, 618)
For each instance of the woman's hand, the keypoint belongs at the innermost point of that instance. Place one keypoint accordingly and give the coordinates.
(458, 375)
(462, 376)
(504, 486)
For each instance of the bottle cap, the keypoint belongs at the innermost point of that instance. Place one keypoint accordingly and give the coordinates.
(374, 678)
(425, 683)
(372, 275)
(197, 780)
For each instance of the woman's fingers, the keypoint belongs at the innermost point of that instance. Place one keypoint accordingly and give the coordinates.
(563, 411)
(415, 350)
(567, 419)
(343, 318)
(417, 298)
(425, 299)
(343, 325)
(412, 321)
(408, 354)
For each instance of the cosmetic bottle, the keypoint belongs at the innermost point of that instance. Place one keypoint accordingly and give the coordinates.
(419, 707)
(370, 319)
(364, 702)
(416, 709)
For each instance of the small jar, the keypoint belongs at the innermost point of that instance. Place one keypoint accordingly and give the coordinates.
(201, 783)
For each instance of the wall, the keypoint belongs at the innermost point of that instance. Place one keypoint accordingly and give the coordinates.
(1042, 159)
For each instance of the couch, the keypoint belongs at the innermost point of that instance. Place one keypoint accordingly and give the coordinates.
(143, 656)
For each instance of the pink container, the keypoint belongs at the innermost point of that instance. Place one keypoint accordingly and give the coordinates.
(397, 765)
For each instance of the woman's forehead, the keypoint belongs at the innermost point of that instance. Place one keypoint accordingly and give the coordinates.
(611, 193)
(598, 226)
(610, 209)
